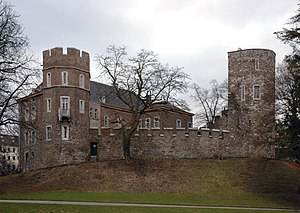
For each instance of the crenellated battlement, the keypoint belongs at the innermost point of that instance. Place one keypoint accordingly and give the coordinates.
(73, 57)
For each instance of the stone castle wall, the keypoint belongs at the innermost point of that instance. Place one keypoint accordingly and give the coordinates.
(170, 143)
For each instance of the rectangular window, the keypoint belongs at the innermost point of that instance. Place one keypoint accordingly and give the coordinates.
(33, 136)
(106, 121)
(81, 81)
(48, 132)
(243, 89)
(140, 124)
(91, 112)
(49, 103)
(26, 114)
(26, 137)
(96, 114)
(64, 78)
(148, 123)
(156, 122)
(48, 79)
(65, 105)
(256, 92)
(178, 123)
(33, 113)
(257, 64)
(81, 106)
(65, 132)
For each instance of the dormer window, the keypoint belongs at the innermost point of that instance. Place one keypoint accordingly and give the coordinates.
(81, 81)
(103, 99)
(64, 78)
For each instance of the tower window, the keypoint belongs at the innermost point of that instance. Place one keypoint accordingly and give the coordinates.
(26, 114)
(65, 105)
(33, 136)
(257, 64)
(256, 92)
(33, 113)
(65, 132)
(48, 133)
(64, 78)
(49, 104)
(26, 137)
(81, 81)
(48, 79)
(243, 89)
(81, 106)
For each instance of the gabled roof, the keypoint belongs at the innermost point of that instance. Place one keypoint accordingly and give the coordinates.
(100, 90)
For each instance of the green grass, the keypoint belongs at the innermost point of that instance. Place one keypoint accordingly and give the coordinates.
(229, 182)
(43, 208)
(246, 200)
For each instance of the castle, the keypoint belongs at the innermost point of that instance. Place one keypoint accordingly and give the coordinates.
(69, 117)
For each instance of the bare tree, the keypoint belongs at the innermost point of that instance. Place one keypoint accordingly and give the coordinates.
(211, 101)
(16, 65)
(139, 82)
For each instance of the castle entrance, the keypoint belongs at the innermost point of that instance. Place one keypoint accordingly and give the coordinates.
(94, 149)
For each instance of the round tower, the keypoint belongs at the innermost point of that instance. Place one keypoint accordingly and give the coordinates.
(251, 100)
(66, 89)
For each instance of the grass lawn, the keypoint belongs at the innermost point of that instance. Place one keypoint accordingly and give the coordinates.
(246, 200)
(31, 208)
(229, 182)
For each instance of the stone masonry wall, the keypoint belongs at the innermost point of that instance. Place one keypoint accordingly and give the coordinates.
(181, 144)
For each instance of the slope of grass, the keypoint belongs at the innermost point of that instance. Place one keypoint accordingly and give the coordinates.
(229, 182)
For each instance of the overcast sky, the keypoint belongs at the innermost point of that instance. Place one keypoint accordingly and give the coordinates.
(194, 34)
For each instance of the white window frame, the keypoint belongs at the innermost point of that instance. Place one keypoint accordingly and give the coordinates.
(81, 106)
(49, 104)
(106, 121)
(156, 122)
(33, 136)
(95, 113)
(65, 78)
(27, 114)
(243, 93)
(91, 112)
(178, 123)
(26, 137)
(33, 113)
(81, 80)
(257, 64)
(148, 123)
(49, 133)
(65, 105)
(256, 96)
(140, 124)
(65, 132)
(48, 79)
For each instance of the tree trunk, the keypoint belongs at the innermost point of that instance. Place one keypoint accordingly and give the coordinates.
(126, 148)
